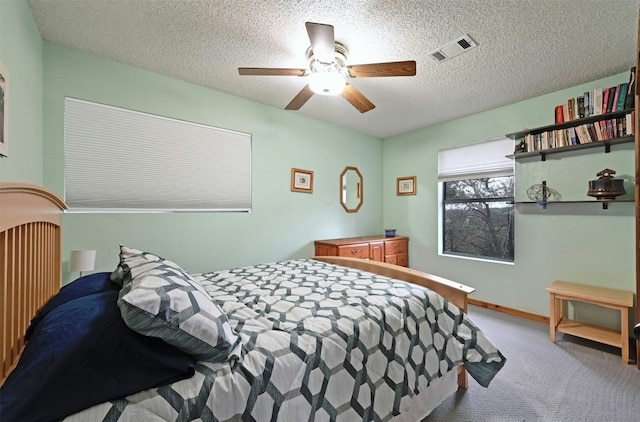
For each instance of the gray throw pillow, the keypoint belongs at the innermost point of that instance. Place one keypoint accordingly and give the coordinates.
(160, 299)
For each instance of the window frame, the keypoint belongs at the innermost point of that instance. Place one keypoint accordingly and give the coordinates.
(477, 161)
(443, 211)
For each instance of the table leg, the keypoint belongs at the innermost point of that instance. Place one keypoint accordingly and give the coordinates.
(624, 332)
(553, 308)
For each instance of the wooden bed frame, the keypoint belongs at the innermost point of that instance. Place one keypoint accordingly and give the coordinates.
(30, 245)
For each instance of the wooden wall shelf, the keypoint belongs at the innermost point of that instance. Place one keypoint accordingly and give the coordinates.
(605, 203)
(597, 144)
(571, 123)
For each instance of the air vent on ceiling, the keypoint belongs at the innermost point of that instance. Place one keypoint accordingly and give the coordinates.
(453, 48)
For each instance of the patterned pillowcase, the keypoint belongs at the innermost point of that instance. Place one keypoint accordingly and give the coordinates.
(160, 299)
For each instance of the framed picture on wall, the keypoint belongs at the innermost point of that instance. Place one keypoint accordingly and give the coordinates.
(406, 185)
(301, 180)
(4, 88)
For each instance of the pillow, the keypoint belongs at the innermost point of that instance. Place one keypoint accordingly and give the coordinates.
(160, 299)
(83, 286)
(82, 354)
(117, 275)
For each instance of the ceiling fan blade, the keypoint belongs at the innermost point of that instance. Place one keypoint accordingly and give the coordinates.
(355, 97)
(274, 71)
(300, 99)
(322, 41)
(373, 70)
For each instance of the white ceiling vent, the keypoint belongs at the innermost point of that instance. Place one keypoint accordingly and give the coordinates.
(453, 48)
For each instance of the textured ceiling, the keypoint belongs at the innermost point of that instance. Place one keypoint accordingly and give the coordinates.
(525, 48)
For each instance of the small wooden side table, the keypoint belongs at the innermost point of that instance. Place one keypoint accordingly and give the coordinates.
(621, 300)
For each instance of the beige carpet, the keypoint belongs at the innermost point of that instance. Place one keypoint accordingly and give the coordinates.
(572, 380)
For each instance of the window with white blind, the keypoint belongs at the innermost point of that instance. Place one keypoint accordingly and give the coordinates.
(477, 200)
(119, 160)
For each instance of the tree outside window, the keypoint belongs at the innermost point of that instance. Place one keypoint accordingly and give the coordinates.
(478, 218)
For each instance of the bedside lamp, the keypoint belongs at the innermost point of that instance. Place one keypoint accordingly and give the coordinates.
(82, 261)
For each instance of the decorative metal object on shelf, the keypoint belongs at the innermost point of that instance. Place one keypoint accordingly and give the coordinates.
(520, 147)
(542, 193)
(606, 187)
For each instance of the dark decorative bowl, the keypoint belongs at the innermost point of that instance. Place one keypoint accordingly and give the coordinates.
(605, 187)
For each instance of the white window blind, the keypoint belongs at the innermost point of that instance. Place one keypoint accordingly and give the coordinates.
(122, 160)
(485, 159)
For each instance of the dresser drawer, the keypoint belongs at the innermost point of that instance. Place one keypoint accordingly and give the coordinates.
(360, 250)
(403, 259)
(395, 247)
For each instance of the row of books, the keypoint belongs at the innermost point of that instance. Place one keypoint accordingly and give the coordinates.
(602, 130)
(598, 101)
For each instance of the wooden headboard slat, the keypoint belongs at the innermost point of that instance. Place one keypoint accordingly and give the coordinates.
(31, 271)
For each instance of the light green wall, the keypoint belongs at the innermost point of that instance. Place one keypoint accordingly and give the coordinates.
(573, 242)
(282, 224)
(579, 242)
(21, 54)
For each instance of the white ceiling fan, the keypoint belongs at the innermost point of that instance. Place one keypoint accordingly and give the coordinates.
(328, 70)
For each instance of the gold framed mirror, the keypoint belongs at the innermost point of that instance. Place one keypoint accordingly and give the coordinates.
(351, 189)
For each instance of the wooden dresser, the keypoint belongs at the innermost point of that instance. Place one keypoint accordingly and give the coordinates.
(393, 250)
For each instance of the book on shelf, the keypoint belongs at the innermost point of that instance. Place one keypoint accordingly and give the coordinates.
(625, 125)
(605, 99)
(580, 103)
(571, 104)
(622, 96)
(603, 129)
(565, 112)
(565, 138)
(580, 134)
(548, 140)
(609, 129)
(630, 100)
(597, 101)
(613, 98)
(591, 129)
(571, 136)
(598, 130)
(587, 103)
(583, 134)
(621, 127)
(559, 118)
(631, 121)
(528, 143)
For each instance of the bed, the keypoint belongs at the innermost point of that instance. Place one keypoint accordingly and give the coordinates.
(324, 338)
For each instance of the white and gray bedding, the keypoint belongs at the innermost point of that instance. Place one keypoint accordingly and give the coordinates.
(297, 340)
(319, 342)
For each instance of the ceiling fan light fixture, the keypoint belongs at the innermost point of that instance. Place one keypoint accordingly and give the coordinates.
(329, 82)
(328, 70)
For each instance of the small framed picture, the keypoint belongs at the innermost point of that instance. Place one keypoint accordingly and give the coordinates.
(406, 185)
(4, 118)
(301, 180)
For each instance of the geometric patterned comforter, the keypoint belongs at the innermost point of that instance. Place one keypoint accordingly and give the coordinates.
(319, 342)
